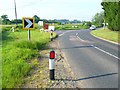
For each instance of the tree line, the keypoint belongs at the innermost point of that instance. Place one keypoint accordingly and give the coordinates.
(5, 20)
(112, 13)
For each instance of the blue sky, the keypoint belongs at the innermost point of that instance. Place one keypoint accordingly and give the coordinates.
(52, 9)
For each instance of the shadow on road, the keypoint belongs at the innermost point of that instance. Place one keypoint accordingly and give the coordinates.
(90, 77)
(88, 46)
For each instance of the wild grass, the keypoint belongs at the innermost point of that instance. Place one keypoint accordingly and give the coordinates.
(17, 52)
(0, 67)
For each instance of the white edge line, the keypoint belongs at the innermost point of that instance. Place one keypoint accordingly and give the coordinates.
(61, 34)
(64, 33)
(106, 52)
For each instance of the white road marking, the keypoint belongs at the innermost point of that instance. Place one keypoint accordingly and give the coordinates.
(61, 34)
(84, 40)
(80, 39)
(106, 52)
(76, 34)
(64, 33)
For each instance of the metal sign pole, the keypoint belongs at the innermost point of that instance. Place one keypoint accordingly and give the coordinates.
(28, 24)
(28, 35)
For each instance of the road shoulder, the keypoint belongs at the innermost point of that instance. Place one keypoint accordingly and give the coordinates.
(39, 77)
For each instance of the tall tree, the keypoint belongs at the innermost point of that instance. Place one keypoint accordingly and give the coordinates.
(89, 23)
(111, 10)
(98, 19)
(36, 18)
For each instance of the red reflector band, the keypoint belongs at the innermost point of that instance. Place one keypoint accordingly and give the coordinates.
(52, 54)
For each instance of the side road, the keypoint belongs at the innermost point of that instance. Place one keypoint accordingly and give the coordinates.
(39, 77)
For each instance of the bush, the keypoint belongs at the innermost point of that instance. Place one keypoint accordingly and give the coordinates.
(6, 28)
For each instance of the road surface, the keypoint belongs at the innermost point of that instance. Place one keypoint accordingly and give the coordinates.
(93, 61)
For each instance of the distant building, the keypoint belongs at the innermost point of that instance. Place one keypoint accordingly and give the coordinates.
(63, 23)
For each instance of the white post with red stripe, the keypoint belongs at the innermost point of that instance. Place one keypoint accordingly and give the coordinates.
(52, 65)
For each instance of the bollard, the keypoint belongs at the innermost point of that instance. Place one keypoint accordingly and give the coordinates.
(52, 65)
(51, 35)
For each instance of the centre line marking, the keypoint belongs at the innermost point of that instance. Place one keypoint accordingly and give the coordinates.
(106, 52)
(76, 34)
(80, 39)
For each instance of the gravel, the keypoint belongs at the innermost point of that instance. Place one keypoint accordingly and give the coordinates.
(39, 77)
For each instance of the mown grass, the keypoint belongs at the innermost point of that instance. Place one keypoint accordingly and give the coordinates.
(107, 34)
(17, 54)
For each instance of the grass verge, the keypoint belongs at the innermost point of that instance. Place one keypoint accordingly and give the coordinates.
(107, 34)
(18, 53)
(0, 67)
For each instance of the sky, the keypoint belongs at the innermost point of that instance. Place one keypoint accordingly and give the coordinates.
(82, 10)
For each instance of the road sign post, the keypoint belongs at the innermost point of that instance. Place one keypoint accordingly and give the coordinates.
(28, 24)
(28, 35)
(52, 65)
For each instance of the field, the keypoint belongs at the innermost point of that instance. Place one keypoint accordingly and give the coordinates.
(18, 53)
(71, 27)
(107, 34)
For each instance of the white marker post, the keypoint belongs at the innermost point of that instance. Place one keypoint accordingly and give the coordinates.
(52, 65)
(51, 35)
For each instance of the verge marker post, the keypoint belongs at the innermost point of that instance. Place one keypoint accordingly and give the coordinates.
(51, 35)
(52, 65)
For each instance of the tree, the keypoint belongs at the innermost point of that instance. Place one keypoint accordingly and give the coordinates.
(5, 19)
(18, 21)
(89, 24)
(59, 23)
(111, 10)
(98, 19)
(36, 18)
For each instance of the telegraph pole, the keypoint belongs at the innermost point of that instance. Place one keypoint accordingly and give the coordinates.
(15, 12)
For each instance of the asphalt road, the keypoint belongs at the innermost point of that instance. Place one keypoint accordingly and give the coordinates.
(93, 61)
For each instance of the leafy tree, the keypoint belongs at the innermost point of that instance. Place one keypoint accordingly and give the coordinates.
(36, 18)
(19, 21)
(0, 21)
(45, 20)
(111, 10)
(59, 23)
(98, 19)
(89, 24)
(5, 19)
